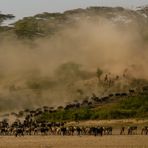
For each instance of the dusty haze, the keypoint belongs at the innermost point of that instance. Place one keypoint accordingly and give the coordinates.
(94, 43)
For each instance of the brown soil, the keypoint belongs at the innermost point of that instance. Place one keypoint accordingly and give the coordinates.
(114, 141)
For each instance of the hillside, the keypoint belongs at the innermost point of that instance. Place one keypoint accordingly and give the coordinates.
(132, 105)
(124, 109)
(47, 24)
(52, 59)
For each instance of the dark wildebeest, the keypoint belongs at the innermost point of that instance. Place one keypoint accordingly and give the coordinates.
(19, 131)
(132, 130)
(44, 130)
(63, 131)
(79, 130)
(122, 131)
(107, 130)
(96, 131)
(144, 130)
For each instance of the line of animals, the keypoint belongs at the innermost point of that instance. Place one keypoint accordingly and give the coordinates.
(95, 100)
(88, 101)
(60, 128)
(91, 101)
(32, 127)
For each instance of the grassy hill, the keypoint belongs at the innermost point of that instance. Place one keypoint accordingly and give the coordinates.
(123, 108)
(41, 56)
(48, 24)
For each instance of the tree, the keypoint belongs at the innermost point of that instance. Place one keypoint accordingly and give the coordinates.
(27, 27)
(99, 73)
(4, 17)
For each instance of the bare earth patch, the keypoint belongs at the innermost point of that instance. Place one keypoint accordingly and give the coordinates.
(116, 123)
(114, 141)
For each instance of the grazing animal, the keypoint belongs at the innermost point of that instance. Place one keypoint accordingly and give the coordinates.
(122, 131)
(144, 130)
(19, 132)
(132, 130)
(107, 130)
(96, 131)
(63, 131)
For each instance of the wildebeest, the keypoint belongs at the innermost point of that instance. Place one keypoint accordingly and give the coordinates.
(44, 130)
(96, 131)
(144, 130)
(63, 131)
(132, 130)
(122, 131)
(107, 130)
(19, 131)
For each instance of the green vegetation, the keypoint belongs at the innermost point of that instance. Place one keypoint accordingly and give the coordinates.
(4, 17)
(28, 27)
(99, 73)
(47, 24)
(132, 107)
(67, 115)
(67, 74)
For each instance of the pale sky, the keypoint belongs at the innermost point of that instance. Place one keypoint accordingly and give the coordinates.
(22, 8)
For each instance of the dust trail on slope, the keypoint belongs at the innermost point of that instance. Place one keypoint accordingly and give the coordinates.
(94, 43)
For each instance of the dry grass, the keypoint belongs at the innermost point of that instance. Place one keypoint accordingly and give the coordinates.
(116, 123)
(135, 141)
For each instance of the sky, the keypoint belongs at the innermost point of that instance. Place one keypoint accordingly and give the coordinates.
(22, 8)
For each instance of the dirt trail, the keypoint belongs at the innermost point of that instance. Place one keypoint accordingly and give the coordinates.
(74, 142)
(116, 123)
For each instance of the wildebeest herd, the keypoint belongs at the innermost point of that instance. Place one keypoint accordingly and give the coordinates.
(32, 127)
(18, 128)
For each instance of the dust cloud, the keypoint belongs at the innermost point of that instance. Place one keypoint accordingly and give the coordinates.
(91, 43)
